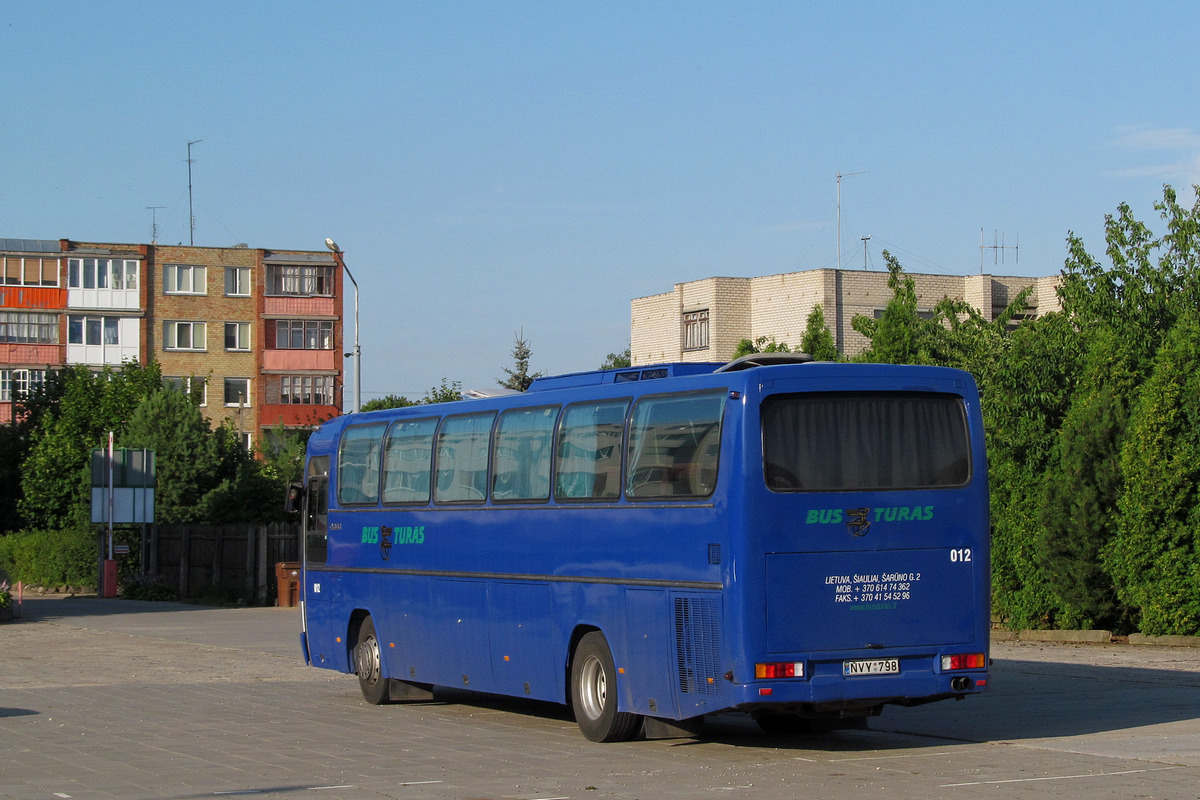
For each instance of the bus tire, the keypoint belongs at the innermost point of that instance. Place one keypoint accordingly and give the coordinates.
(594, 693)
(368, 664)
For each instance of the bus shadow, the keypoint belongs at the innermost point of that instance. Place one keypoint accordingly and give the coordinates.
(1026, 700)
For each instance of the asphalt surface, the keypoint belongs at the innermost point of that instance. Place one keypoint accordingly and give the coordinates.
(120, 699)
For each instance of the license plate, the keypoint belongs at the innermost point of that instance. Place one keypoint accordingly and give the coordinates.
(871, 666)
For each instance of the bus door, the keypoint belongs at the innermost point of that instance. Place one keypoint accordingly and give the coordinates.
(317, 588)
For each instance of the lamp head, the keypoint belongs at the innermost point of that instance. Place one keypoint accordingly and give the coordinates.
(332, 245)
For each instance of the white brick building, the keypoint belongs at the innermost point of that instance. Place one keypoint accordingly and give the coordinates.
(704, 320)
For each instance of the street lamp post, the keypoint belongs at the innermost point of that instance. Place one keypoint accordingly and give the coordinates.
(338, 257)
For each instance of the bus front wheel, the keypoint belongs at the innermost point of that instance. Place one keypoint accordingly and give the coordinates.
(368, 664)
(594, 693)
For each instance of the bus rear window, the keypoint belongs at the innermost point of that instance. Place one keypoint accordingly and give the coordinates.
(843, 441)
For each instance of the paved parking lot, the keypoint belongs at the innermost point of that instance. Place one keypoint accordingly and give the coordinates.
(119, 699)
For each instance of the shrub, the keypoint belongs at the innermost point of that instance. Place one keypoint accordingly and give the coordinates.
(50, 558)
(146, 587)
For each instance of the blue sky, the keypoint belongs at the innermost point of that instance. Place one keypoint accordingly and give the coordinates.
(493, 167)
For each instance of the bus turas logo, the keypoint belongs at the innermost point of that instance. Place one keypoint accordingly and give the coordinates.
(858, 524)
(858, 520)
(386, 537)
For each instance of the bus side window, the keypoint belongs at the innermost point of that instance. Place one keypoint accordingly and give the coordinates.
(521, 454)
(674, 444)
(358, 464)
(407, 460)
(462, 458)
(589, 451)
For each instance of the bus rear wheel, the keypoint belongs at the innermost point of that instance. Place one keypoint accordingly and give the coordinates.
(368, 664)
(594, 693)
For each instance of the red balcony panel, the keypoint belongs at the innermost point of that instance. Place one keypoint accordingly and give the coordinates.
(296, 415)
(31, 354)
(300, 360)
(6, 413)
(34, 297)
(301, 306)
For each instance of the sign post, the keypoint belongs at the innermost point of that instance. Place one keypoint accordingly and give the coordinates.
(122, 492)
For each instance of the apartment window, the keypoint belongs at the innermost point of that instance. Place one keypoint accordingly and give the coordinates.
(102, 273)
(237, 281)
(237, 391)
(303, 334)
(197, 388)
(306, 281)
(184, 279)
(695, 330)
(237, 335)
(93, 330)
(24, 328)
(18, 383)
(184, 336)
(305, 390)
(29, 271)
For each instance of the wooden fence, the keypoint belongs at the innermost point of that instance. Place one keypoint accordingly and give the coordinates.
(234, 561)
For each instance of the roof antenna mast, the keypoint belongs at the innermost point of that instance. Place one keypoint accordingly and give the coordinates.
(154, 223)
(998, 247)
(839, 210)
(191, 216)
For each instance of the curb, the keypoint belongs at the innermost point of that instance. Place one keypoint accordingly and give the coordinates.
(1093, 637)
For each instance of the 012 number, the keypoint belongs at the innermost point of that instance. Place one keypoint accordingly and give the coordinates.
(960, 555)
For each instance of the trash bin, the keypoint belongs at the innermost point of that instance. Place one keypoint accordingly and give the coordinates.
(287, 583)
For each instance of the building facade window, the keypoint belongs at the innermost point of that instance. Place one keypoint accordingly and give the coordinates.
(237, 391)
(184, 336)
(102, 273)
(24, 328)
(237, 281)
(16, 384)
(302, 390)
(190, 385)
(93, 330)
(29, 271)
(301, 334)
(185, 279)
(304, 281)
(695, 330)
(237, 335)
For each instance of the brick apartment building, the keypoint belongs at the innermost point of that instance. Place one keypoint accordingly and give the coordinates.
(256, 333)
(704, 320)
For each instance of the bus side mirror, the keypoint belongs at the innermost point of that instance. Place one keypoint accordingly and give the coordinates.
(295, 492)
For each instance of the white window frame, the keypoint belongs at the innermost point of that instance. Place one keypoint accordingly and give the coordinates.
(185, 279)
(238, 282)
(245, 404)
(16, 383)
(695, 330)
(187, 383)
(241, 342)
(21, 265)
(171, 330)
(108, 328)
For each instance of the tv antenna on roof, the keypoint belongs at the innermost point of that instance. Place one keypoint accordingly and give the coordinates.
(154, 223)
(839, 209)
(998, 247)
(191, 216)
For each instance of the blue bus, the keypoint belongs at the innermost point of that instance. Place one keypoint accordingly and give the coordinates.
(803, 541)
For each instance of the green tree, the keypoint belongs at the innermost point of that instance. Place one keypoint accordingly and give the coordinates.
(622, 360)
(187, 457)
(71, 416)
(1152, 557)
(448, 392)
(1083, 483)
(817, 341)
(763, 344)
(519, 376)
(388, 401)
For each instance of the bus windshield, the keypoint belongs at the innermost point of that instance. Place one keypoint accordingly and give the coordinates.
(845, 441)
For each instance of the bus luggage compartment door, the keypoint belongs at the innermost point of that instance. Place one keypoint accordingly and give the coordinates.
(870, 599)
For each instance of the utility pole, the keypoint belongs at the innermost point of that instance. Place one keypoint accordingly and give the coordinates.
(865, 239)
(191, 216)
